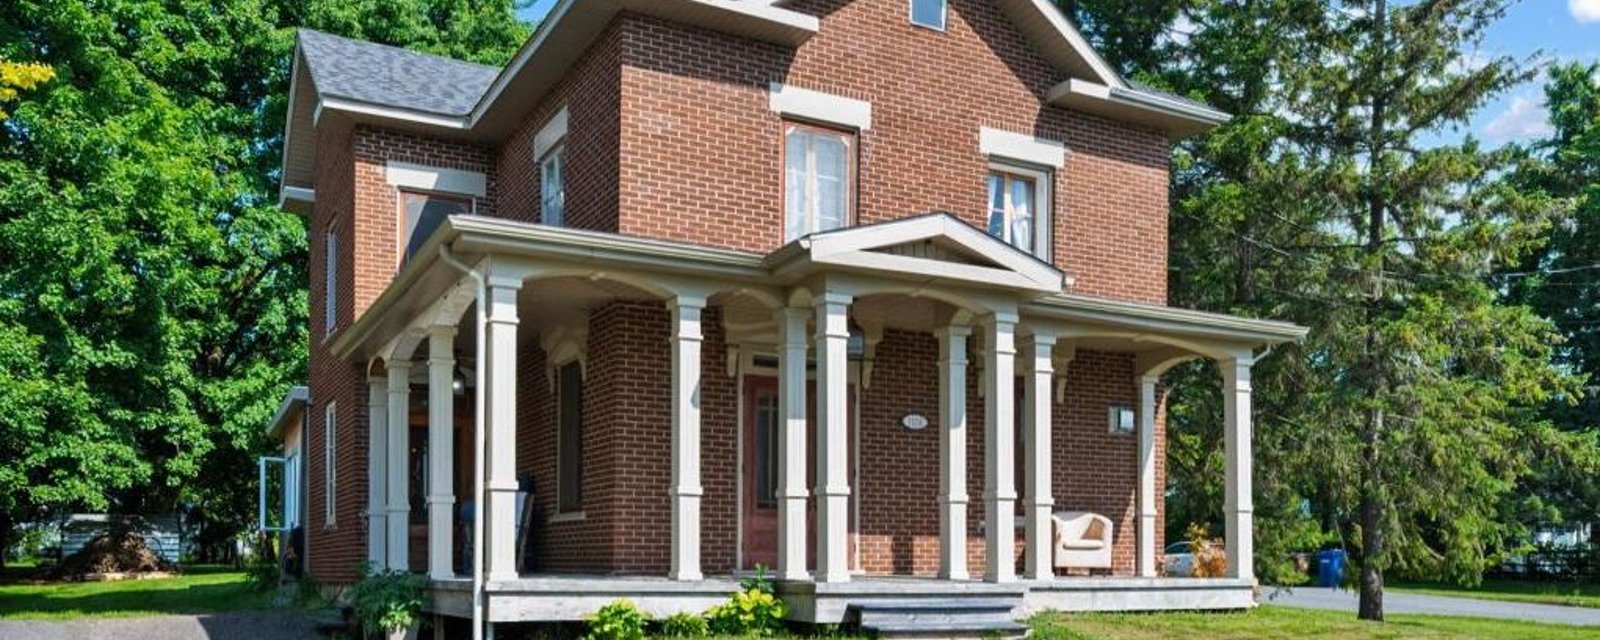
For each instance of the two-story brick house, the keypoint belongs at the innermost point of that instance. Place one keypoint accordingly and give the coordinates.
(839, 288)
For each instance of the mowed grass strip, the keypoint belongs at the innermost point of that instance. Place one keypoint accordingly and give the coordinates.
(1272, 622)
(1565, 594)
(200, 590)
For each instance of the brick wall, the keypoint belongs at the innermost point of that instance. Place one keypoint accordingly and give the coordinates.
(701, 148)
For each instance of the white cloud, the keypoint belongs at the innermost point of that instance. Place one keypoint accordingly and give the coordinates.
(1524, 119)
(1584, 10)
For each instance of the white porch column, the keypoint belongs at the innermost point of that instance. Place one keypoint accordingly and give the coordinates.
(399, 524)
(1039, 563)
(1146, 552)
(833, 481)
(792, 445)
(500, 420)
(686, 489)
(953, 452)
(377, 476)
(1238, 506)
(441, 451)
(1000, 492)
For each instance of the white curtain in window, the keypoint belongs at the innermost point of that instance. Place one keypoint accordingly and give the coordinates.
(796, 205)
(553, 189)
(1022, 214)
(816, 181)
(1012, 209)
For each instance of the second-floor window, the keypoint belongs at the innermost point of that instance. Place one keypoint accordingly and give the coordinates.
(928, 13)
(553, 187)
(330, 281)
(1019, 205)
(424, 213)
(818, 179)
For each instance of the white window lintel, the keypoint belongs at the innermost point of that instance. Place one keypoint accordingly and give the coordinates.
(407, 175)
(551, 135)
(1023, 148)
(816, 106)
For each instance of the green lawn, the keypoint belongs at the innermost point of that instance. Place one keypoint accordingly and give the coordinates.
(1284, 622)
(198, 590)
(1571, 595)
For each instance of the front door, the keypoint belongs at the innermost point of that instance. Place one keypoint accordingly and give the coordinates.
(762, 420)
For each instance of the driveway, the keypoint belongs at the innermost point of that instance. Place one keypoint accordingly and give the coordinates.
(257, 625)
(1397, 602)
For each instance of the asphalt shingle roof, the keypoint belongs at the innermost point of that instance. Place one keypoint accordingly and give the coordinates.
(391, 76)
(1167, 95)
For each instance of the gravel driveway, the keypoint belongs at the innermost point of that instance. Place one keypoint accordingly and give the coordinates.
(1398, 602)
(256, 625)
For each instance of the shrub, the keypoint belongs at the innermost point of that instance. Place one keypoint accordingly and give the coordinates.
(753, 611)
(387, 600)
(261, 574)
(620, 620)
(1210, 558)
(685, 625)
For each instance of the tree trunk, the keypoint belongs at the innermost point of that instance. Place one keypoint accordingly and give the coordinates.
(1372, 519)
(1372, 493)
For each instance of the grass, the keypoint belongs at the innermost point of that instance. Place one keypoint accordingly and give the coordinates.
(198, 590)
(1571, 595)
(1285, 622)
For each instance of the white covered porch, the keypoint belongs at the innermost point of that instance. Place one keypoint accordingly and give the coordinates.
(482, 287)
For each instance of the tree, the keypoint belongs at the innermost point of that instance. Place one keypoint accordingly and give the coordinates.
(16, 77)
(152, 296)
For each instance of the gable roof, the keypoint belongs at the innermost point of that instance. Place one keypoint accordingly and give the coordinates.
(397, 87)
(383, 75)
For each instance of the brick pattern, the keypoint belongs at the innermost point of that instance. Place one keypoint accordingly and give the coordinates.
(701, 149)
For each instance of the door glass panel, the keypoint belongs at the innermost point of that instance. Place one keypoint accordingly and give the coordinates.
(766, 450)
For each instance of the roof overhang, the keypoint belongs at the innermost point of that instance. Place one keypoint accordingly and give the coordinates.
(1133, 317)
(289, 410)
(1179, 119)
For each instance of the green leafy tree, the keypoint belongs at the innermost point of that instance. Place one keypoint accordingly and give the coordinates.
(152, 296)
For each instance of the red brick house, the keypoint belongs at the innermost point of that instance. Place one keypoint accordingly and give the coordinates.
(692, 286)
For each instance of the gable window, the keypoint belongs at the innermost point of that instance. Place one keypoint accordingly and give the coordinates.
(330, 442)
(818, 179)
(928, 13)
(1019, 205)
(330, 281)
(553, 187)
(569, 434)
(424, 213)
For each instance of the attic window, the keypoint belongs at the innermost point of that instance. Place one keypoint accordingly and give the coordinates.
(928, 13)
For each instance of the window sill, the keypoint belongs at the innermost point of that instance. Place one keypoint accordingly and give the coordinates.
(570, 516)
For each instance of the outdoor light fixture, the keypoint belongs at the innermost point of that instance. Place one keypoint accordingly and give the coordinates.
(1122, 420)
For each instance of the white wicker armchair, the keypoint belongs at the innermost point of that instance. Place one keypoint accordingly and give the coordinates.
(1082, 540)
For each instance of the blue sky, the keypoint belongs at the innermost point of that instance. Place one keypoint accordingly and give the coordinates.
(1554, 30)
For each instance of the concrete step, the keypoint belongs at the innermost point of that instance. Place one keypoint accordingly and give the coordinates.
(937, 617)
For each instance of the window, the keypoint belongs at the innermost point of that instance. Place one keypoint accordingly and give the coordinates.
(766, 451)
(553, 188)
(330, 443)
(817, 180)
(330, 282)
(1018, 209)
(424, 213)
(569, 413)
(928, 13)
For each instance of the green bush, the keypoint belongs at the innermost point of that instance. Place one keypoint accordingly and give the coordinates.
(685, 625)
(261, 574)
(753, 611)
(387, 600)
(620, 620)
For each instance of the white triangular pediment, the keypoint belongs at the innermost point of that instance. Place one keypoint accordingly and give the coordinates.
(933, 246)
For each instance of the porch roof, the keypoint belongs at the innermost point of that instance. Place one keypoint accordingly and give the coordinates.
(923, 251)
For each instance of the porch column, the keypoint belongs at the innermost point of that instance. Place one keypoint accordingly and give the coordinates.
(1146, 552)
(441, 451)
(792, 445)
(1039, 563)
(500, 420)
(999, 448)
(833, 481)
(686, 490)
(953, 452)
(1238, 506)
(399, 524)
(377, 476)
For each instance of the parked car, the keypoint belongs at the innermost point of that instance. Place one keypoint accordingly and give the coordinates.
(1179, 561)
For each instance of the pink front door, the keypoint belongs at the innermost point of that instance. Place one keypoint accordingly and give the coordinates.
(762, 428)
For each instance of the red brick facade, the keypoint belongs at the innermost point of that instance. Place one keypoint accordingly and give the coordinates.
(671, 136)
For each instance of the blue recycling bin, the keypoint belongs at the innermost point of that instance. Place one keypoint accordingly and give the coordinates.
(1330, 568)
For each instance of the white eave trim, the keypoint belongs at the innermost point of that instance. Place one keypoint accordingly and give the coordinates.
(289, 194)
(552, 134)
(1075, 38)
(855, 247)
(330, 103)
(1023, 148)
(1173, 115)
(1165, 320)
(816, 106)
(297, 396)
(407, 175)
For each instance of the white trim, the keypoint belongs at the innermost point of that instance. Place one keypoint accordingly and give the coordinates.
(1043, 205)
(1019, 147)
(551, 136)
(816, 106)
(944, 16)
(406, 175)
(567, 516)
(297, 194)
(392, 113)
(330, 465)
(1075, 39)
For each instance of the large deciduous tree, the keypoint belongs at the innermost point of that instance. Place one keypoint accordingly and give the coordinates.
(152, 296)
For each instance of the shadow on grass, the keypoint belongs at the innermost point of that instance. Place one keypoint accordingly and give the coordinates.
(140, 597)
